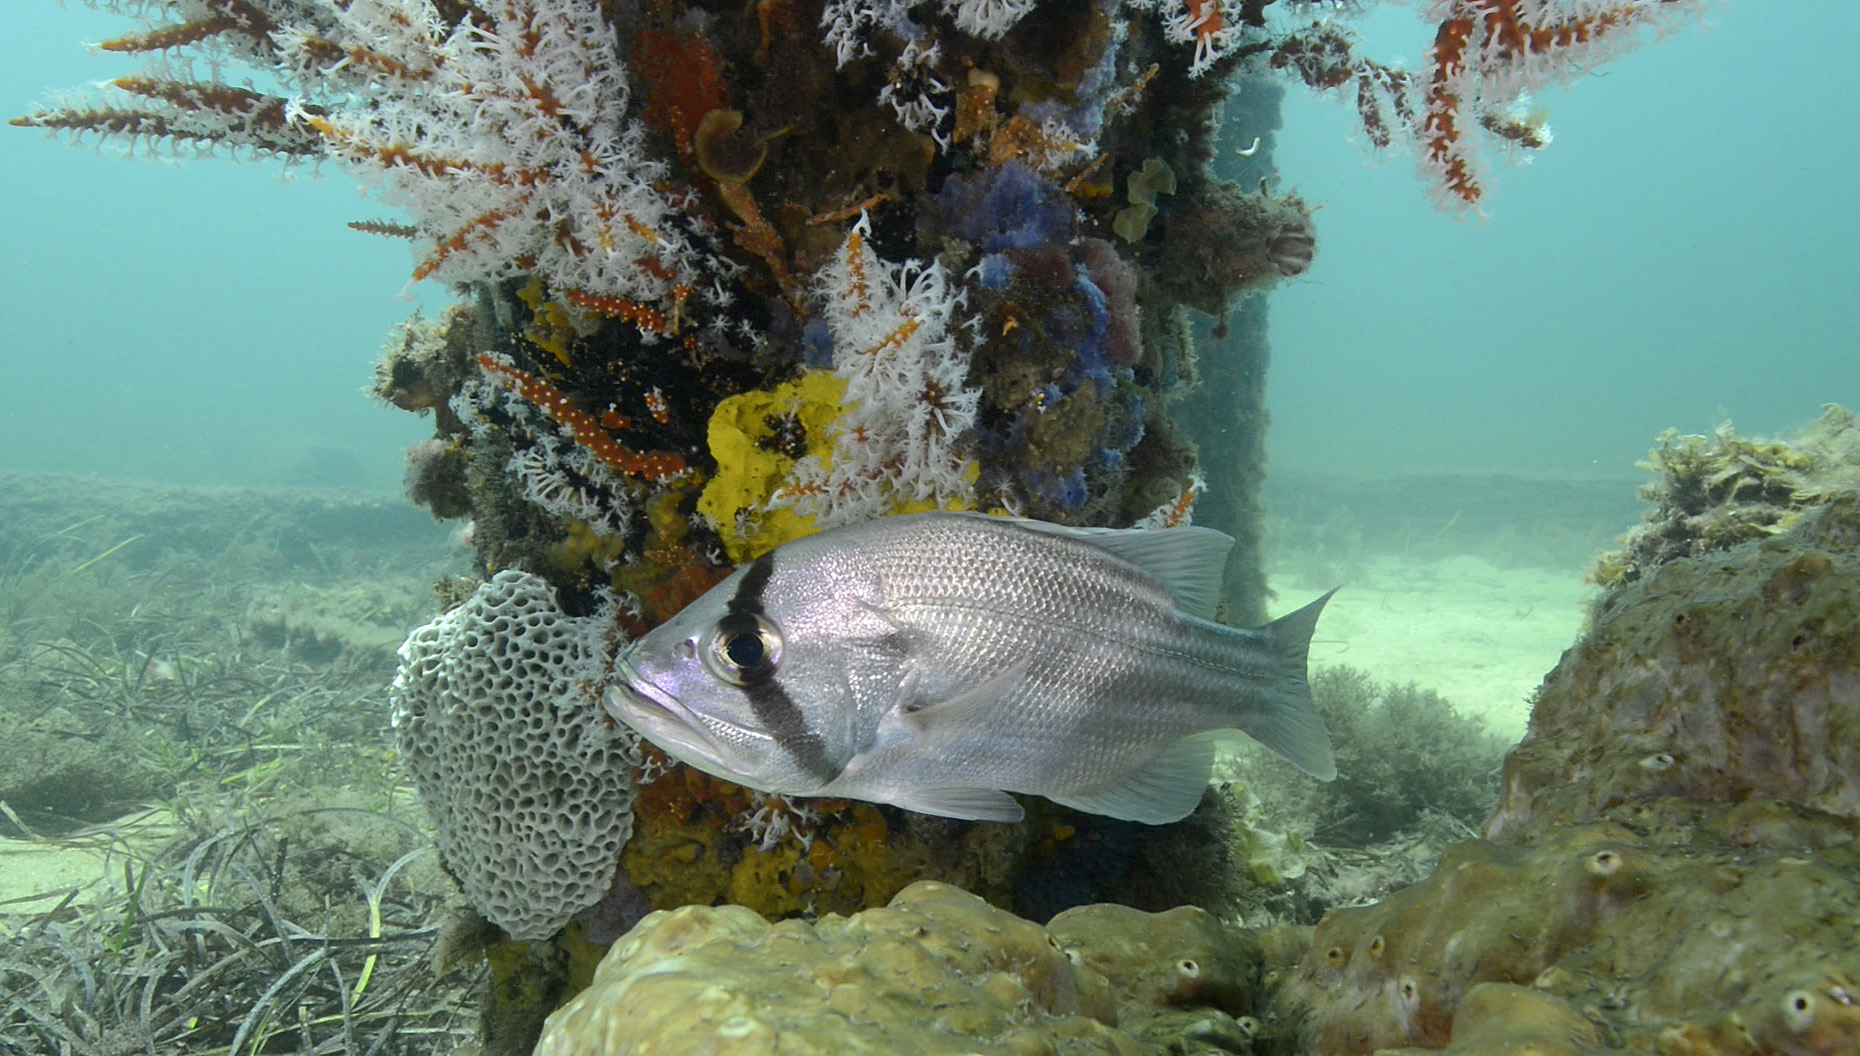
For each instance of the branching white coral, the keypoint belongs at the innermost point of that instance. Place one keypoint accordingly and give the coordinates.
(771, 819)
(852, 25)
(510, 145)
(913, 91)
(508, 139)
(1212, 27)
(550, 469)
(988, 19)
(909, 408)
(1178, 512)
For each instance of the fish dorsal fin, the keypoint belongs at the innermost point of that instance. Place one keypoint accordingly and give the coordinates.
(1166, 790)
(968, 804)
(1187, 561)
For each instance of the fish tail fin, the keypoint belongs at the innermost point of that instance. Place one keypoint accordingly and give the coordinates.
(1286, 720)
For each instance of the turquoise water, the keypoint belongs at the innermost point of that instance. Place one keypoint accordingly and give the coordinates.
(1685, 250)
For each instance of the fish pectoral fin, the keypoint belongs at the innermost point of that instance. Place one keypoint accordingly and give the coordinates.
(967, 804)
(930, 718)
(1168, 789)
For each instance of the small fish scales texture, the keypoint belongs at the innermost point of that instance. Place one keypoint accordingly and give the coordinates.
(529, 787)
(1030, 587)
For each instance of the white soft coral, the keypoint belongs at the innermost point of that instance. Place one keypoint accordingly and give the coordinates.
(509, 144)
(909, 409)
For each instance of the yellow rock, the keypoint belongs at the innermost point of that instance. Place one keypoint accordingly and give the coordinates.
(938, 972)
(751, 464)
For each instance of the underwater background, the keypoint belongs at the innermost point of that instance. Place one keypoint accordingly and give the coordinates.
(1684, 251)
(208, 561)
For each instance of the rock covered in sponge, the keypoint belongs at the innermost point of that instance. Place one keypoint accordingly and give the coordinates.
(1671, 867)
(1184, 983)
(938, 972)
(529, 786)
(1728, 676)
(1730, 943)
(1505, 1018)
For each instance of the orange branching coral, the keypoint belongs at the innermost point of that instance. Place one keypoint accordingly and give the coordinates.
(507, 130)
(384, 228)
(213, 18)
(1210, 28)
(856, 295)
(1442, 135)
(1178, 513)
(908, 404)
(650, 320)
(656, 465)
(1488, 56)
(172, 111)
(1488, 52)
(263, 110)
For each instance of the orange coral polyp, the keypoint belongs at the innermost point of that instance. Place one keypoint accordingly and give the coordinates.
(653, 465)
(650, 320)
(1205, 16)
(896, 338)
(459, 240)
(858, 289)
(225, 16)
(203, 95)
(1441, 126)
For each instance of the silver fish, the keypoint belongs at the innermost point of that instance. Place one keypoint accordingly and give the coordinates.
(939, 661)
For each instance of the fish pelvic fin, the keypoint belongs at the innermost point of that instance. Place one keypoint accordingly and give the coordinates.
(1285, 719)
(966, 804)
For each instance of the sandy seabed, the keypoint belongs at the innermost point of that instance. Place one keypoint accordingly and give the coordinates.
(1481, 636)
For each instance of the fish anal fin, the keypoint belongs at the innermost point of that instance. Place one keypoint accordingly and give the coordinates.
(1167, 790)
(967, 804)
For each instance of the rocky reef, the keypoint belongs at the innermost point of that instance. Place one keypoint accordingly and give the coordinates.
(1667, 926)
(1669, 869)
(1669, 866)
(936, 971)
(731, 273)
(1728, 677)
(1717, 491)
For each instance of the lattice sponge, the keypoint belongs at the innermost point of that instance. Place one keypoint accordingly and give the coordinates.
(497, 716)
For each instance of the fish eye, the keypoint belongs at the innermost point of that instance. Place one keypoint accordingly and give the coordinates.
(743, 649)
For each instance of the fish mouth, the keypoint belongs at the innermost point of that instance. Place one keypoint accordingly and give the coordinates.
(660, 717)
(641, 698)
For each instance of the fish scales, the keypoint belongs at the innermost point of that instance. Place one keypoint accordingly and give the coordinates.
(1102, 629)
(939, 661)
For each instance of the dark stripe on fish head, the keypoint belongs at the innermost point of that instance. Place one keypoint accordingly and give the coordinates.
(774, 708)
